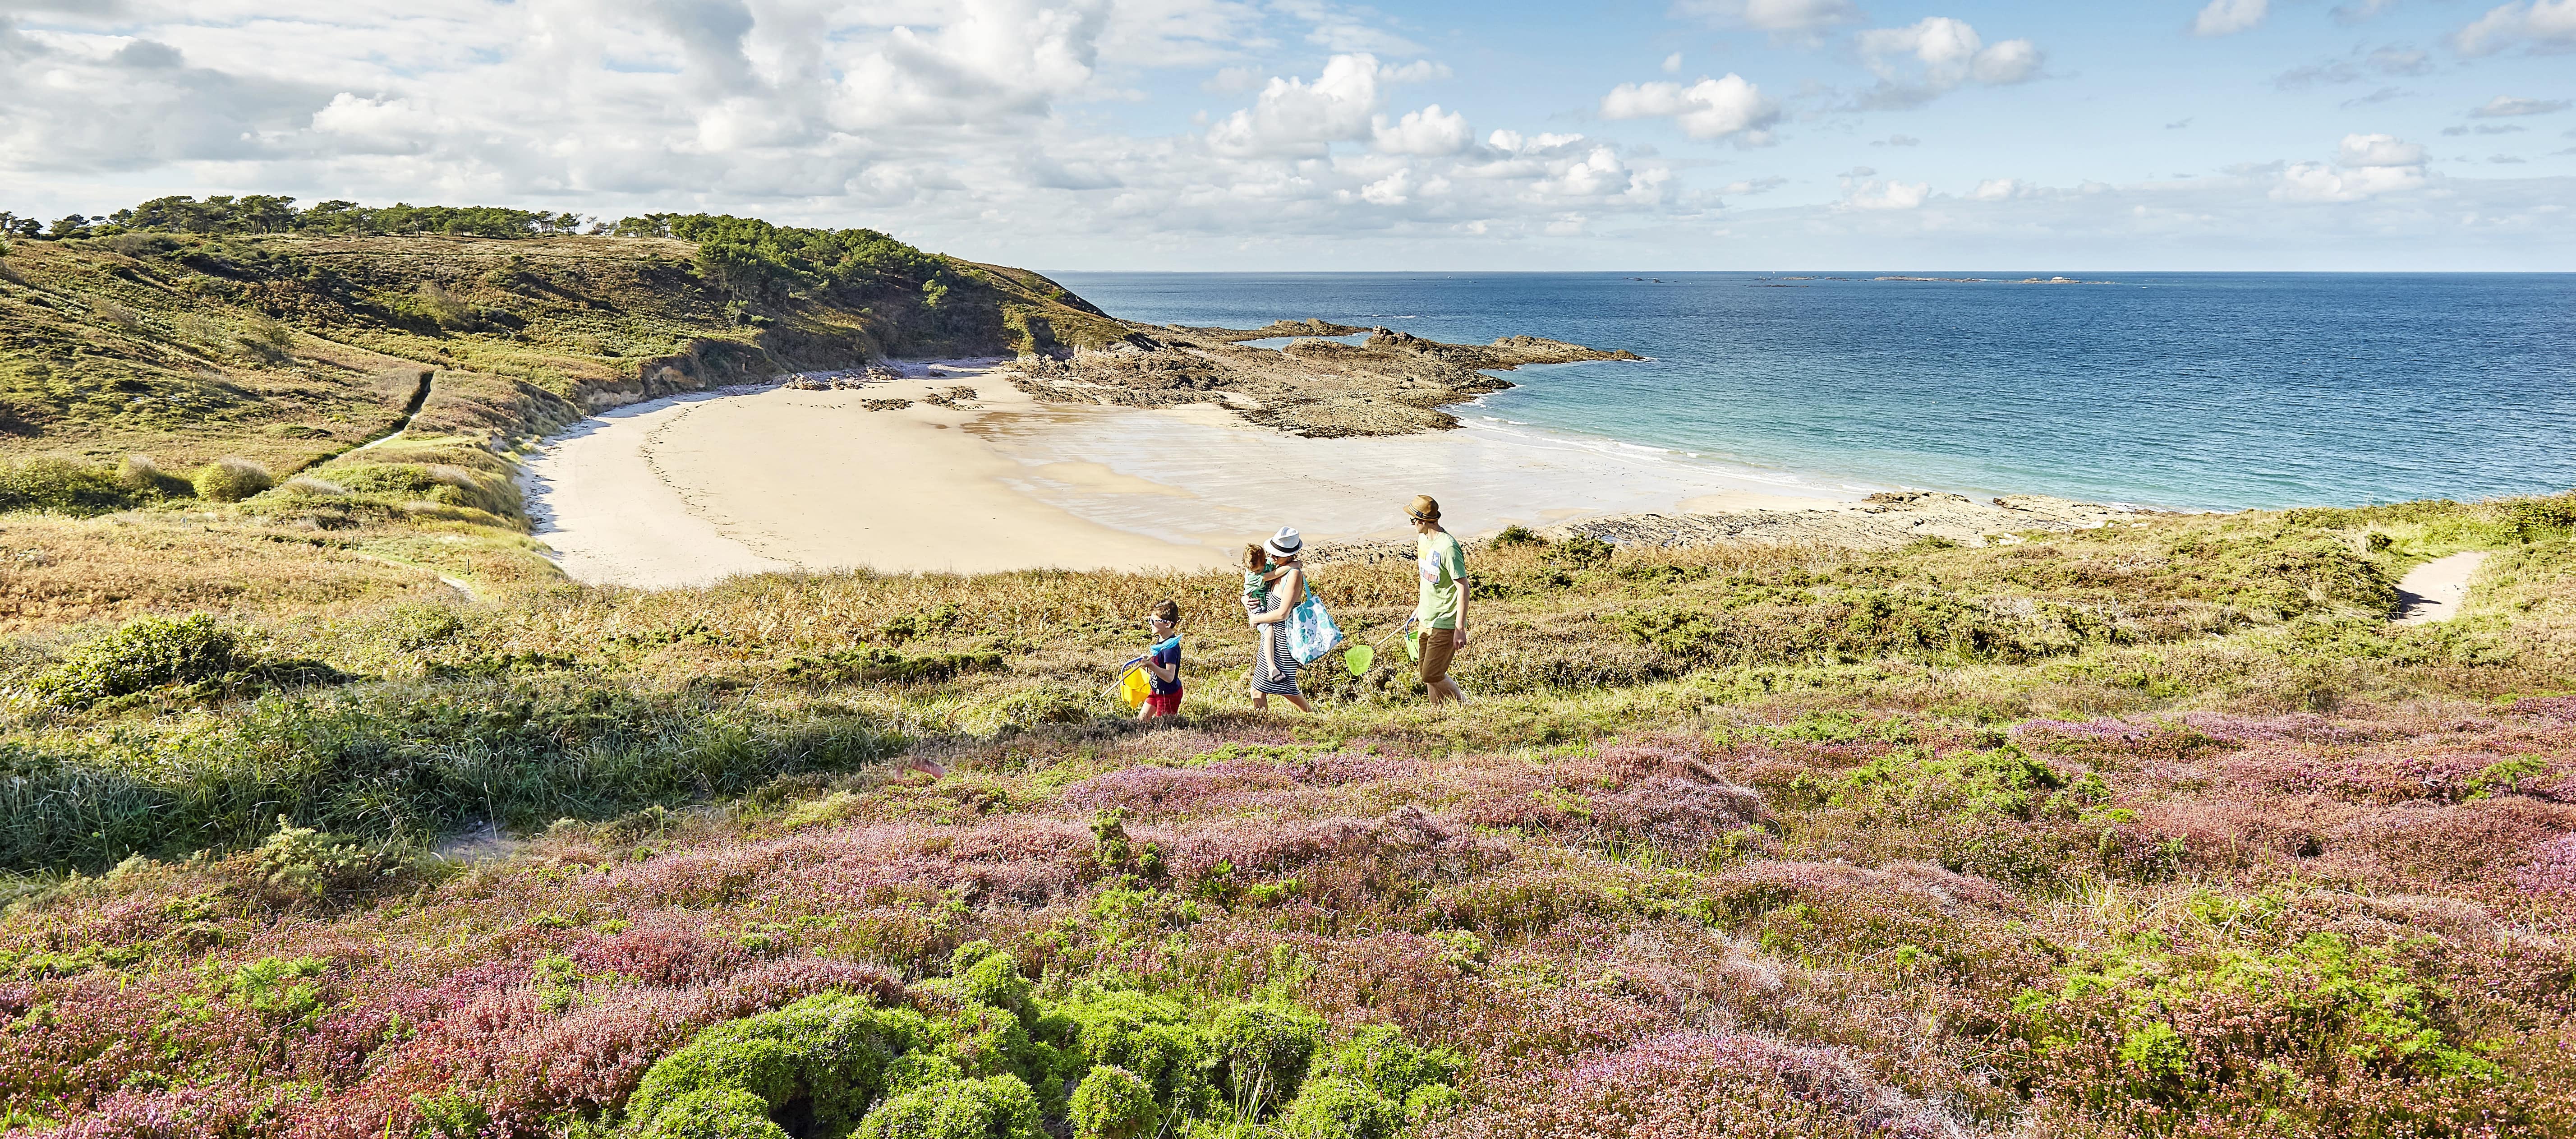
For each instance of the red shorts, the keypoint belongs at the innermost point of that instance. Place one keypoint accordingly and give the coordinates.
(1164, 703)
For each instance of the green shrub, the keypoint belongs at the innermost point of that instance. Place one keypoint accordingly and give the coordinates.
(998, 1107)
(2534, 518)
(1579, 552)
(232, 480)
(1137, 1064)
(833, 1052)
(1336, 1107)
(301, 862)
(1382, 1060)
(1517, 535)
(61, 486)
(1113, 1103)
(146, 653)
(1260, 1051)
(715, 1113)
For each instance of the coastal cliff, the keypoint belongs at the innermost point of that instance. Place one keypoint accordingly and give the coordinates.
(202, 331)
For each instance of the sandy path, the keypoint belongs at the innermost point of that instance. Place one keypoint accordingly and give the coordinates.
(2435, 590)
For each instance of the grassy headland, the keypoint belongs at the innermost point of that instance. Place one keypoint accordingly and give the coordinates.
(2159, 828)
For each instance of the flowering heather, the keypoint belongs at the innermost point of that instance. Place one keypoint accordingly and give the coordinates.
(1686, 1085)
(2247, 862)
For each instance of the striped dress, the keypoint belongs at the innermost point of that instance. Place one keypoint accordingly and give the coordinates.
(1285, 660)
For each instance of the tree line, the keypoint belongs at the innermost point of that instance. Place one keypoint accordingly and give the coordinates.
(225, 215)
(757, 261)
(753, 260)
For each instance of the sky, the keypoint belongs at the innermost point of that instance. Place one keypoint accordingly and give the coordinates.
(1260, 135)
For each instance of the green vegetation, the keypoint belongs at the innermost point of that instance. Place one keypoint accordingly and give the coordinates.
(1006, 1058)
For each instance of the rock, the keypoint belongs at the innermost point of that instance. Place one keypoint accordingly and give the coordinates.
(1395, 383)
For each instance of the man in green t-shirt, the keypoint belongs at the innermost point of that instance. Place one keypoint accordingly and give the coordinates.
(1442, 611)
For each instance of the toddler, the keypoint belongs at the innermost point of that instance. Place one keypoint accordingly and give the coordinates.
(1258, 573)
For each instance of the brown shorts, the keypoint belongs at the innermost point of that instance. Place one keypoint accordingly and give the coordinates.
(1438, 645)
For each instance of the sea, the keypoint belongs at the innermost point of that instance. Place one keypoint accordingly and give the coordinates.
(2195, 391)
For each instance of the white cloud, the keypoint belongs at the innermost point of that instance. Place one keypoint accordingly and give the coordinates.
(1730, 107)
(2228, 17)
(1293, 116)
(1673, 64)
(1772, 15)
(1923, 60)
(2543, 25)
(2366, 166)
(1393, 190)
(1873, 194)
(2502, 107)
(1428, 131)
(2378, 150)
(1996, 189)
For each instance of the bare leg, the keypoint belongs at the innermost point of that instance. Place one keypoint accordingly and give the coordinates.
(1302, 705)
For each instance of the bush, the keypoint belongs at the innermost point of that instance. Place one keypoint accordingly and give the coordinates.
(1335, 1107)
(1517, 535)
(303, 863)
(1138, 1065)
(147, 653)
(998, 1107)
(60, 486)
(1113, 1103)
(232, 480)
(144, 478)
(308, 486)
(1579, 552)
(1261, 1050)
(719, 1113)
(2534, 518)
(830, 1052)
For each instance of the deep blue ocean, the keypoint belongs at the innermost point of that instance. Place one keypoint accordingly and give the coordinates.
(2189, 390)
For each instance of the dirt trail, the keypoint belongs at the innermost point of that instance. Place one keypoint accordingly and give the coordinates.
(2435, 590)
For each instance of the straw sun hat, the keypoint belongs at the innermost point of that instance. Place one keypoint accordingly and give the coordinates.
(1285, 544)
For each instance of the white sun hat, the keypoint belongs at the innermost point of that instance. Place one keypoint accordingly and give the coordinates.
(1284, 544)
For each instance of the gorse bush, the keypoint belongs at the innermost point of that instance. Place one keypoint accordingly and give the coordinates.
(232, 480)
(1006, 1063)
(146, 653)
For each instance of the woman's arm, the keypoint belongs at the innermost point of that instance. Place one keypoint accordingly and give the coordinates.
(1288, 601)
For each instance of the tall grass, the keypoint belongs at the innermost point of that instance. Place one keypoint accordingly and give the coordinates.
(403, 762)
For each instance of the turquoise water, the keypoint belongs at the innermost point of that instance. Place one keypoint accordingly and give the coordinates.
(2206, 391)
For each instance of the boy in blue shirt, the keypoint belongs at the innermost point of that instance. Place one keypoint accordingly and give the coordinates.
(1163, 665)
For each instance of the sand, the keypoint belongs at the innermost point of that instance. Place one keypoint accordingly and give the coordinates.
(693, 489)
(2436, 590)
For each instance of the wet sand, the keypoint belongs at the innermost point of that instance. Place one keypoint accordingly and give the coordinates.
(693, 489)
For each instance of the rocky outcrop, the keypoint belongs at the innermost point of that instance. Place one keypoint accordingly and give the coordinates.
(1393, 383)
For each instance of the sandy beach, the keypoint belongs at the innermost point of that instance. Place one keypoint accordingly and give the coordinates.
(695, 488)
